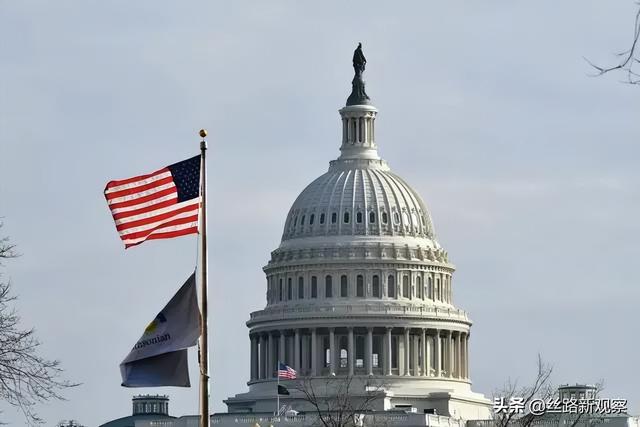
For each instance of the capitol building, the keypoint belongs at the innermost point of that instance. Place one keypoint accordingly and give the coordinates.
(360, 290)
(359, 301)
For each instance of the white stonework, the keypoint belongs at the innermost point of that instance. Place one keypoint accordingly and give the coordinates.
(359, 286)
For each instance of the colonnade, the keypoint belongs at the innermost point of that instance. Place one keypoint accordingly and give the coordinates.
(358, 130)
(399, 351)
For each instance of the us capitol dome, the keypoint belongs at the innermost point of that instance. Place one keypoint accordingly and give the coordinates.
(360, 291)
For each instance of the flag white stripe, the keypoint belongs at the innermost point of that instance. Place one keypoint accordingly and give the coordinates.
(158, 211)
(145, 204)
(145, 181)
(140, 194)
(162, 230)
(152, 225)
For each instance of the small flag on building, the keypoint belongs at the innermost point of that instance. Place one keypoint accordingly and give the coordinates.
(286, 372)
(159, 358)
(282, 390)
(159, 205)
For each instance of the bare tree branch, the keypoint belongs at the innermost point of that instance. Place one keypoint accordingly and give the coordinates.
(26, 378)
(628, 58)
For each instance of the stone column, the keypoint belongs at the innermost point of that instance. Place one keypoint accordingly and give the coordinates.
(263, 354)
(466, 349)
(296, 350)
(429, 350)
(407, 354)
(450, 353)
(416, 356)
(368, 358)
(332, 351)
(270, 351)
(463, 342)
(389, 351)
(425, 364)
(437, 352)
(458, 356)
(282, 354)
(254, 358)
(314, 352)
(350, 350)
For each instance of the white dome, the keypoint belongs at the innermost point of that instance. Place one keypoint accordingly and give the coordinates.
(358, 198)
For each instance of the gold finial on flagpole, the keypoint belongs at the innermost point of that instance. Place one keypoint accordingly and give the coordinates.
(203, 143)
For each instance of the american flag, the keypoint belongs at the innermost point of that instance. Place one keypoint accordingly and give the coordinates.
(159, 205)
(286, 372)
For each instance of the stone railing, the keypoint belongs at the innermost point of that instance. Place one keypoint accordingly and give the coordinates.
(320, 311)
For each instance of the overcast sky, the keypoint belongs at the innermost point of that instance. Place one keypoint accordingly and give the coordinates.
(528, 165)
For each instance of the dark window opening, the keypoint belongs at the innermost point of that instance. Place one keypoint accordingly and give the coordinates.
(391, 287)
(300, 288)
(344, 286)
(334, 218)
(328, 287)
(360, 286)
(289, 290)
(346, 218)
(311, 218)
(359, 217)
(321, 218)
(385, 219)
(372, 217)
(375, 285)
(314, 287)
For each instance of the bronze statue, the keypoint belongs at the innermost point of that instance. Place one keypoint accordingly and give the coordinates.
(358, 95)
(359, 61)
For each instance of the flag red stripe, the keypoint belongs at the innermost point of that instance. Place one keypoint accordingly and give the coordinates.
(167, 235)
(145, 233)
(152, 219)
(144, 199)
(116, 183)
(150, 208)
(139, 188)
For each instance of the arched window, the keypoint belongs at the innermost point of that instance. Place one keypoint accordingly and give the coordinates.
(328, 287)
(302, 220)
(321, 218)
(360, 286)
(334, 218)
(289, 290)
(429, 288)
(345, 218)
(375, 286)
(311, 218)
(359, 217)
(391, 286)
(438, 291)
(406, 290)
(300, 288)
(419, 287)
(295, 221)
(314, 287)
(396, 218)
(372, 217)
(280, 291)
(344, 286)
(344, 354)
(385, 218)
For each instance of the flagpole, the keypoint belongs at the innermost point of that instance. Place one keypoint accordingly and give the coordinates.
(204, 345)
(278, 392)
